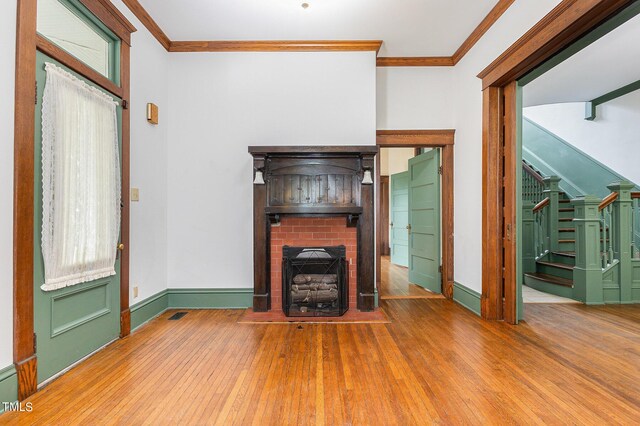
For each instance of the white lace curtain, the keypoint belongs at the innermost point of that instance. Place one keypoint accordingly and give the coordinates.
(80, 180)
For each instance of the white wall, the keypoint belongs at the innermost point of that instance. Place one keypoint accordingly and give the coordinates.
(7, 87)
(414, 98)
(467, 101)
(149, 149)
(613, 138)
(220, 104)
(395, 160)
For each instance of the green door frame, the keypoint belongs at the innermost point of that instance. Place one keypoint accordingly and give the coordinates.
(27, 42)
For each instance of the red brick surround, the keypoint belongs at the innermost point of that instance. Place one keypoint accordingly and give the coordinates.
(303, 232)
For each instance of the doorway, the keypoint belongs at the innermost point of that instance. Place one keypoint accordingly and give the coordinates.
(415, 214)
(74, 321)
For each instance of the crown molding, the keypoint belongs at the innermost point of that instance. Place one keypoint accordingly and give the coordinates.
(143, 16)
(450, 61)
(492, 17)
(318, 45)
(275, 46)
(415, 61)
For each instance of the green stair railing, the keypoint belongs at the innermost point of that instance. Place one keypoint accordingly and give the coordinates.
(532, 184)
(606, 245)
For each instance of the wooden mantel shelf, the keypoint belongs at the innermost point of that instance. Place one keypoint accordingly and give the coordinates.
(312, 210)
(310, 150)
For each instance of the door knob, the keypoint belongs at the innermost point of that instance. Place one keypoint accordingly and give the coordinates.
(409, 228)
(120, 246)
(391, 224)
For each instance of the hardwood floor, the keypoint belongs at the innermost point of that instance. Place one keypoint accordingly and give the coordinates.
(394, 283)
(435, 363)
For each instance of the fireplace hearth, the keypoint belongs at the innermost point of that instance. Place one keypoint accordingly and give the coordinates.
(314, 281)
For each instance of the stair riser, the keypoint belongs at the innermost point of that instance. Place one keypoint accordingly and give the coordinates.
(567, 246)
(552, 270)
(565, 215)
(565, 260)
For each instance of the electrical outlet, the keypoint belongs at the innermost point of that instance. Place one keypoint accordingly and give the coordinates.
(135, 292)
(135, 194)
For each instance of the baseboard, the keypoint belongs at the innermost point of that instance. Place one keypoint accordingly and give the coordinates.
(149, 308)
(189, 298)
(8, 386)
(466, 297)
(210, 298)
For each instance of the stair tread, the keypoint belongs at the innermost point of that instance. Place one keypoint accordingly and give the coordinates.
(566, 219)
(566, 209)
(550, 279)
(566, 230)
(555, 265)
(564, 253)
(564, 201)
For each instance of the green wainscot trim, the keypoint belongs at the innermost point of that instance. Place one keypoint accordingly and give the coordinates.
(376, 298)
(210, 298)
(468, 298)
(144, 311)
(8, 386)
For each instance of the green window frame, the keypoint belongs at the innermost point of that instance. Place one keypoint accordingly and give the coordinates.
(113, 41)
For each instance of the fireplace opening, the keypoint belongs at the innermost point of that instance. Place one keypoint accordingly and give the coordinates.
(314, 281)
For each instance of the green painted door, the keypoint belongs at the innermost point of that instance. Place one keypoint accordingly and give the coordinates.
(399, 216)
(424, 220)
(72, 322)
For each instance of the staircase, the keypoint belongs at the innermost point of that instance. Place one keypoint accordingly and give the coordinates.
(585, 248)
(554, 269)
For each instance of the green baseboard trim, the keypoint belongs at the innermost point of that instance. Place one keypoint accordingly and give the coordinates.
(8, 386)
(210, 298)
(189, 298)
(466, 297)
(149, 308)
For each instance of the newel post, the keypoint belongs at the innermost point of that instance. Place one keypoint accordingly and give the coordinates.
(552, 190)
(528, 237)
(621, 235)
(587, 274)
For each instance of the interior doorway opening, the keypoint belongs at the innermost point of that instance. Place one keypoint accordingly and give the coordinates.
(414, 241)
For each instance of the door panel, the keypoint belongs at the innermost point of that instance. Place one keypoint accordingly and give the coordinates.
(399, 197)
(72, 322)
(424, 217)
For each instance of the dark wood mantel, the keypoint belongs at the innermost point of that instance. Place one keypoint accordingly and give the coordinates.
(313, 181)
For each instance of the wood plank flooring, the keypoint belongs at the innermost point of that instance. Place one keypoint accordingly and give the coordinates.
(394, 283)
(434, 363)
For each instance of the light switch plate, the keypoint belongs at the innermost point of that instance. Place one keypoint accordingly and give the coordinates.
(135, 194)
(135, 292)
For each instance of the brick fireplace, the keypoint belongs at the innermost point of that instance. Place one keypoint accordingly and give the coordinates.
(311, 232)
(313, 196)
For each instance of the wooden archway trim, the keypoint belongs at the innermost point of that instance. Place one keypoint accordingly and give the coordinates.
(443, 139)
(24, 354)
(567, 22)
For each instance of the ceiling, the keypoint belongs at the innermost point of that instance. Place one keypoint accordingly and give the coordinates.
(408, 27)
(602, 67)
